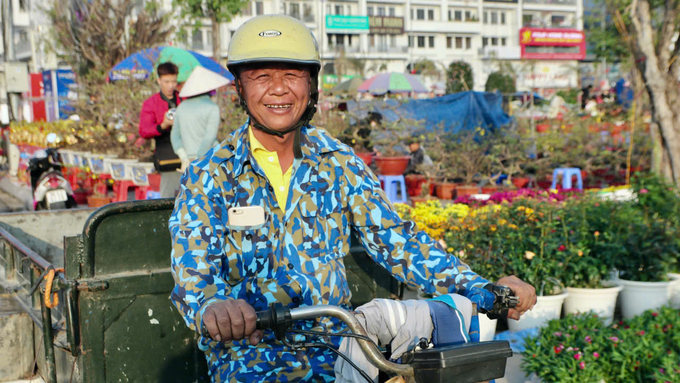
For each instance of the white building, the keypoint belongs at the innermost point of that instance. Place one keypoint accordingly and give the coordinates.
(480, 32)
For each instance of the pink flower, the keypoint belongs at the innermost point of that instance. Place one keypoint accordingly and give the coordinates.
(661, 370)
(574, 327)
(644, 191)
(641, 332)
(561, 248)
(589, 339)
(596, 354)
(655, 314)
(614, 339)
(582, 365)
(577, 356)
(557, 333)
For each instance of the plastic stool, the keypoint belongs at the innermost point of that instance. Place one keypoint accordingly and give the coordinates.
(153, 194)
(121, 190)
(393, 185)
(566, 174)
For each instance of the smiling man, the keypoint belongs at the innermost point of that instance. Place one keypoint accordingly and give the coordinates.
(307, 192)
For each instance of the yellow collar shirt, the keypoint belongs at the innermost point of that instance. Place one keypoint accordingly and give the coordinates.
(269, 162)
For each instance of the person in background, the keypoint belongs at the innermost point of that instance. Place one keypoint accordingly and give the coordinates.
(156, 120)
(198, 118)
(418, 157)
(585, 96)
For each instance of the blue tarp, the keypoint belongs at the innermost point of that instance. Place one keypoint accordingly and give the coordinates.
(464, 111)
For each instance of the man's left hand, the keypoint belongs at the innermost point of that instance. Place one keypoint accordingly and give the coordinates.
(522, 290)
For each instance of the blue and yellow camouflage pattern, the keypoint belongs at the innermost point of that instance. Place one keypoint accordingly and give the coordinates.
(296, 256)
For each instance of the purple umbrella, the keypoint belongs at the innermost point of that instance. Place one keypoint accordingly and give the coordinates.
(393, 83)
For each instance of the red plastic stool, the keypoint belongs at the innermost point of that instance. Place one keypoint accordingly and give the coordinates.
(155, 181)
(141, 191)
(121, 188)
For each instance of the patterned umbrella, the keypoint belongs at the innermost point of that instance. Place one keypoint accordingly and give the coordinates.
(349, 86)
(393, 83)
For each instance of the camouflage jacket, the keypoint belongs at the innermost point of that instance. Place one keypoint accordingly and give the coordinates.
(296, 257)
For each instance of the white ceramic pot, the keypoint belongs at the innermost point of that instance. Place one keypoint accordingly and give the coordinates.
(675, 290)
(546, 308)
(600, 301)
(638, 297)
(487, 328)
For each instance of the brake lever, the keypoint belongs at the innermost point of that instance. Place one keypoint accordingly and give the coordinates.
(505, 299)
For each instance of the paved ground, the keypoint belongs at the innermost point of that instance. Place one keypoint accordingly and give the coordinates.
(9, 203)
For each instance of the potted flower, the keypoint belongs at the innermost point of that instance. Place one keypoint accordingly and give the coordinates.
(507, 154)
(390, 138)
(587, 259)
(650, 248)
(468, 159)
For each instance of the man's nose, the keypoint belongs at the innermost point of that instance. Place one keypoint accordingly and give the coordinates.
(278, 85)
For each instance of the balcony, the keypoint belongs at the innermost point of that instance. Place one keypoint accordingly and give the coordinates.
(551, 2)
(499, 53)
(539, 24)
(465, 27)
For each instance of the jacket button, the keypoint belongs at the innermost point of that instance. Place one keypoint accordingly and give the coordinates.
(231, 147)
(296, 300)
(249, 237)
(291, 266)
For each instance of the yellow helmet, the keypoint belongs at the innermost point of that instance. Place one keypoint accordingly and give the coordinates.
(273, 38)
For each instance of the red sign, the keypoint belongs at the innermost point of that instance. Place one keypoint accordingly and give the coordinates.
(552, 44)
(37, 97)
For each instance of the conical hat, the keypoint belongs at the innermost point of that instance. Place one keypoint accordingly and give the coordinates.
(201, 81)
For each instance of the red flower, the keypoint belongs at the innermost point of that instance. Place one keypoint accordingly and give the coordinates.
(561, 248)
(655, 314)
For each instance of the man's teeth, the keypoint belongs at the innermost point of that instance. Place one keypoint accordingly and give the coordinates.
(278, 106)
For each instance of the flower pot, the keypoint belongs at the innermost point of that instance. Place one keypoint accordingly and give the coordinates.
(487, 328)
(392, 166)
(366, 157)
(414, 184)
(489, 189)
(520, 182)
(675, 290)
(638, 297)
(446, 190)
(97, 201)
(600, 301)
(463, 191)
(546, 308)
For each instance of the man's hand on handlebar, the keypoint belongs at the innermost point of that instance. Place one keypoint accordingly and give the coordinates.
(232, 320)
(522, 290)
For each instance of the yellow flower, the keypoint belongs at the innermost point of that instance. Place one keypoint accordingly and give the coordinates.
(471, 246)
(520, 208)
(502, 221)
(529, 211)
(597, 234)
(512, 226)
(493, 227)
(553, 191)
(529, 254)
(450, 249)
(472, 228)
(580, 253)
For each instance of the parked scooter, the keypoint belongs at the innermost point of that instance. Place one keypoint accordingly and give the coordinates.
(51, 190)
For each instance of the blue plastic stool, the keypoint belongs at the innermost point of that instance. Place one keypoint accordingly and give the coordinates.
(567, 173)
(153, 194)
(392, 185)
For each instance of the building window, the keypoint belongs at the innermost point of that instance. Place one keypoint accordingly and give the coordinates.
(410, 41)
(197, 40)
(448, 41)
(486, 17)
(349, 10)
(502, 18)
(468, 15)
(411, 14)
(485, 41)
(458, 16)
(503, 41)
(420, 14)
(308, 13)
(369, 11)
(340, 40)
(349, 40)
(391, 11)
(494, 17)
(557, 21)
(430, 14)
(393, 41)
(431, 40)
(459, 43)
(295, 10)
(247, 10)
(23, 5)
(421, 41)
(330, 39)
(382, 43)
(371, 40)
(381, 11)
(259, 8)
(494, 41)
(468, 43)
(527, 19)
(339, 10)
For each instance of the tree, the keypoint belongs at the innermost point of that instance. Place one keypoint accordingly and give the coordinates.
(459, 77)
(501, 82)
(96, 35)
(218, 11)
(651, 42)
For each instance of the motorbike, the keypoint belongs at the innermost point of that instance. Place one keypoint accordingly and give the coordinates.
(50, 189)
(462, 363)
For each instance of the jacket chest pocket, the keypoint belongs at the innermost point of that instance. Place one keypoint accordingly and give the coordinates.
(321, 223)
(247, 253)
